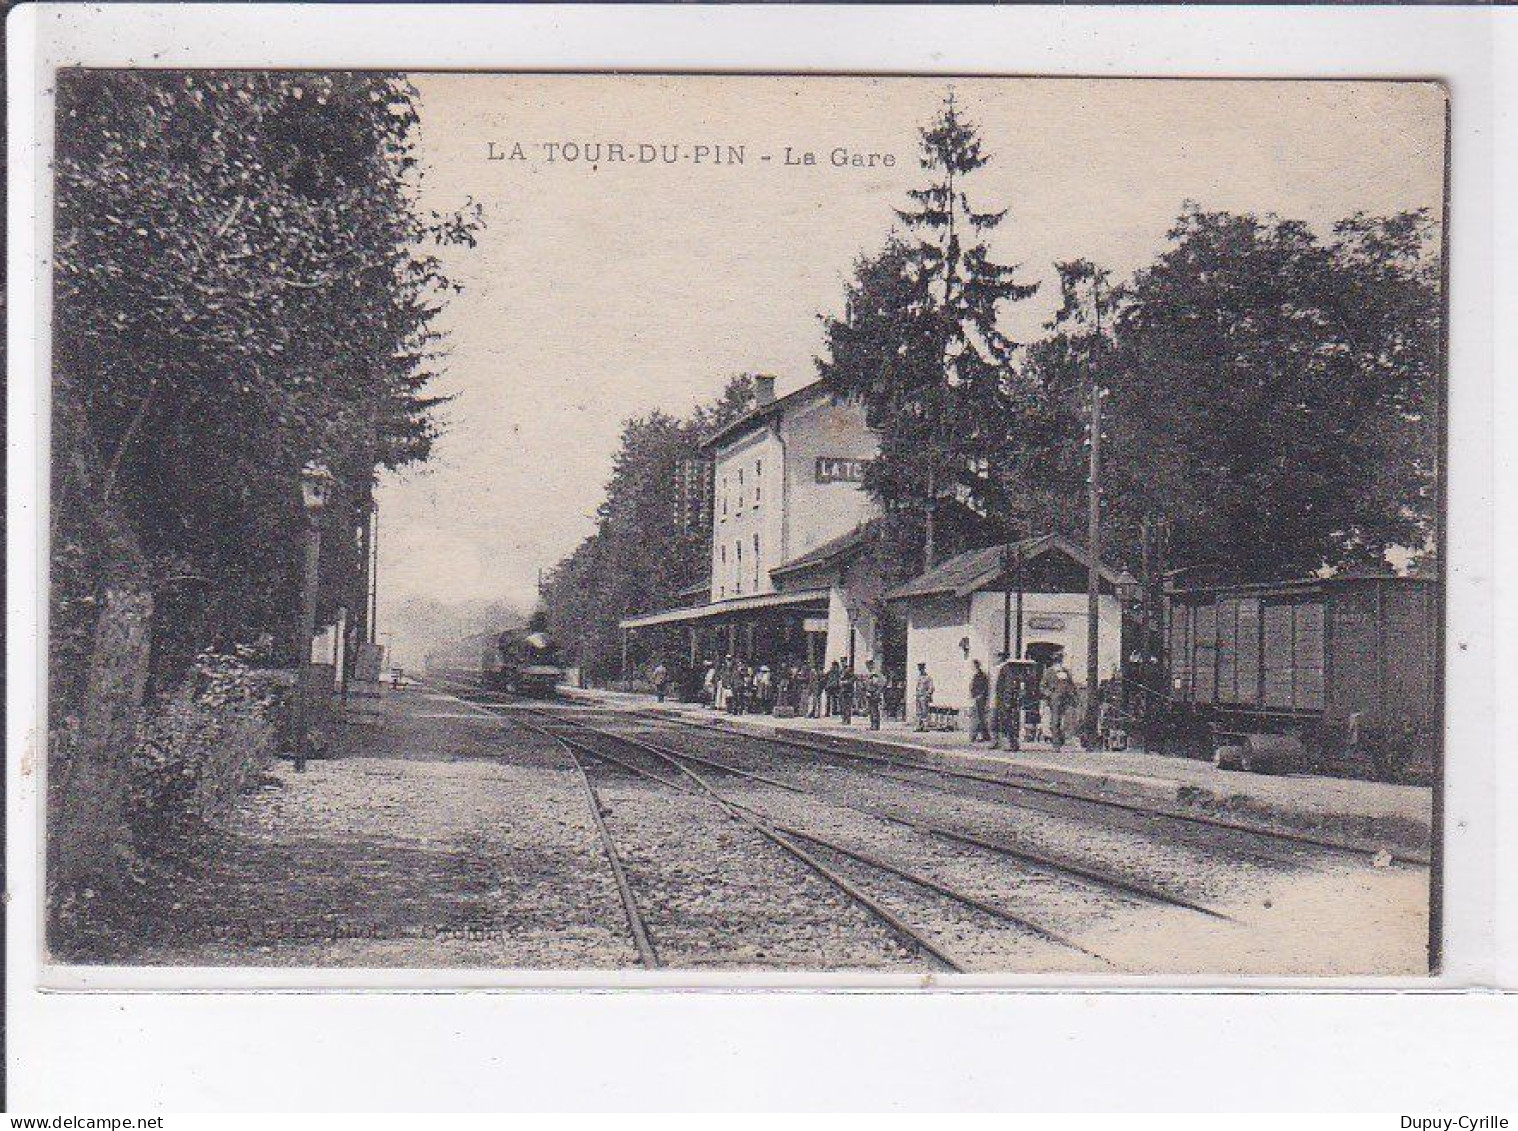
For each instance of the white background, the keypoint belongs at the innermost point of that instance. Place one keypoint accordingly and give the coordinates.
(1417, 1051)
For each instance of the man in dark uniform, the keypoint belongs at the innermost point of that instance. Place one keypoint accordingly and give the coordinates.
(980, 694)
(1009, 694)
(874, 693)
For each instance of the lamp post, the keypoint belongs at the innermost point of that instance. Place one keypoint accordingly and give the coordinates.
(1014, 566)
(315, 486)
(1094, 519)
(1128, 590)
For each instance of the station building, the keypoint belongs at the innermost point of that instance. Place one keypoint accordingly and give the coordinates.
(967, 609)
(790, 520)
(791, 578)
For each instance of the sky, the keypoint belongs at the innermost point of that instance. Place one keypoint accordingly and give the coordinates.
(604, 289)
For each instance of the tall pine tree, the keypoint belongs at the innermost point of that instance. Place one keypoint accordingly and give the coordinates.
(922, 347)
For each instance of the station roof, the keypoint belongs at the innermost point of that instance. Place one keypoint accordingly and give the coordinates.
(831, 551)
(761, 414)
(975, 570)
(727, 608)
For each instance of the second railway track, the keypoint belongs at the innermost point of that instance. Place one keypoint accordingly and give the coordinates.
(930, 913)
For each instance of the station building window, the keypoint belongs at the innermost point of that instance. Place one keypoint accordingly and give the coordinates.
(756, 562)
(758, 481)
(738, 570)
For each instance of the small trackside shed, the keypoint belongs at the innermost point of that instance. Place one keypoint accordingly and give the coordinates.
(1349, 664)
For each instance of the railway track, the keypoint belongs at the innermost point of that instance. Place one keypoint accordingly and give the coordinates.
(784, 839)
(1103, 878)
(1064, 868)
(635, 924)
(1027, 784)
(825, 856)
(1272, 843)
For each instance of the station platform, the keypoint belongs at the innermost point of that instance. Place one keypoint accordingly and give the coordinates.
(1365, 814)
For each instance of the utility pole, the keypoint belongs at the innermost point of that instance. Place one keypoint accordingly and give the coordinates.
(1006, 600)
(1019, 552)
(1008, 618)
(373, 571)
(1146, 587)
(1094, 522)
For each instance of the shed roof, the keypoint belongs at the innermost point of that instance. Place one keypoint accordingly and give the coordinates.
(833, 550)
(976, 569)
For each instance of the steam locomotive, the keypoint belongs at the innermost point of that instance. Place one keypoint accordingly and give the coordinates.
(523, 662)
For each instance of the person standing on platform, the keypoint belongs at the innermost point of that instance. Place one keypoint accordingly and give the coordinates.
(846, 684)
(874, 693)
(735, 695)
(831, 684)
(1009, 703)
(1058, 688)
(661, 680)
(980, 696)
(924, 698)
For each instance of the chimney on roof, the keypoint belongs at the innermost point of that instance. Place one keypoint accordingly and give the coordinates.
(764, 389)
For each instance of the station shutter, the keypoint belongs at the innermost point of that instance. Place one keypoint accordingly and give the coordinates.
(1206, 648)
(1227, 629)
(1307, 656)
(1247, 649)
(1181, 669)
(1277, 653)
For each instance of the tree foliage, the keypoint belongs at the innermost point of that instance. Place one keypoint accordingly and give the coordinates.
(922, 344)
(639, 558)
(1274, 395)
(242, 284)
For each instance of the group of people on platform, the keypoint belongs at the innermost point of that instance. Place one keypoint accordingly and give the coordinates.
(1007, 711)
(1021, 702)
(795, 690)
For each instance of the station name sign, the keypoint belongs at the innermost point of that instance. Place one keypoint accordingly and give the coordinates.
(838, 469)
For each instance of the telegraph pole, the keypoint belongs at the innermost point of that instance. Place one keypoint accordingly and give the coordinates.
(1006, 601)
(1008, 618)
(1094, 522)
(373, 571)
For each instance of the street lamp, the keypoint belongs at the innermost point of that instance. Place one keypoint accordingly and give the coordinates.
(315, 487)
(1127, 588)
(1012, 563)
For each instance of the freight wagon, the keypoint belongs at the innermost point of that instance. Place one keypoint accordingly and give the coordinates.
(1344, 671)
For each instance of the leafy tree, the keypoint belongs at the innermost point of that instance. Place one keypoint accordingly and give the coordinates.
(242, 284)
(1275, 395)
(1044, 473)
(639, 557)
(922, 347)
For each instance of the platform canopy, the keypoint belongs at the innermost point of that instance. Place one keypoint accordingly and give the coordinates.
(718, 609)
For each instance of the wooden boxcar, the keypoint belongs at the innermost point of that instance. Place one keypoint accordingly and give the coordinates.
(1348, 664)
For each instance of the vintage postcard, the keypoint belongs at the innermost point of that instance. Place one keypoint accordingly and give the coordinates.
(746, 524)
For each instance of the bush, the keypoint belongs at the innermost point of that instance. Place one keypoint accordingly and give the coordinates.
(206, 742)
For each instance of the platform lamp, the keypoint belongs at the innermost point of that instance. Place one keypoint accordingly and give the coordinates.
(315, 489)
(1128, 589)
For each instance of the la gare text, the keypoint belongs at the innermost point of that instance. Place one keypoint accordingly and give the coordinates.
(596, 153)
